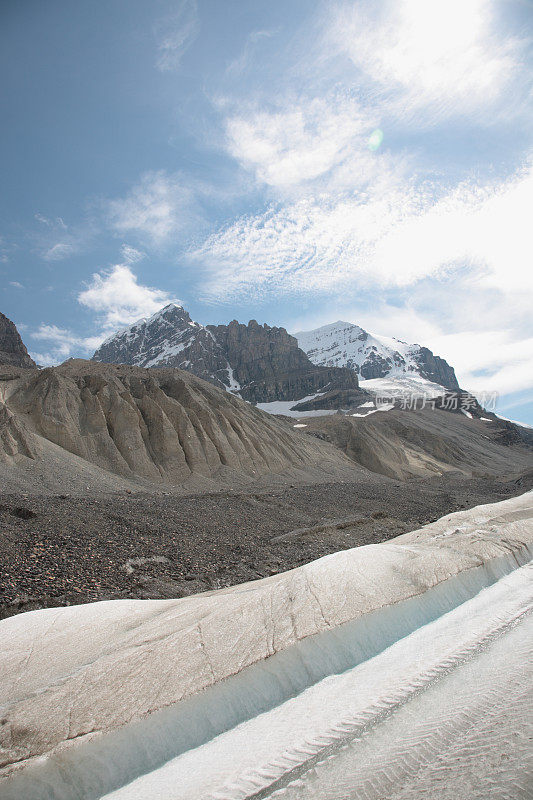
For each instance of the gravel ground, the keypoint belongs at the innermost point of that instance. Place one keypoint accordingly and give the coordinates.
(62, 550)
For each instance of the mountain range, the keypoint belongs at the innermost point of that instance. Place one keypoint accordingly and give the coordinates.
(264, 364)
(121, 480)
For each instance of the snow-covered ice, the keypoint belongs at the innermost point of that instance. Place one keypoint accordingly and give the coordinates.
(340, 737)
(399, 386)
(286, 407)
(241, 691)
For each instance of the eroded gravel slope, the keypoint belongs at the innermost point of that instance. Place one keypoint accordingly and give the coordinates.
(58, 550)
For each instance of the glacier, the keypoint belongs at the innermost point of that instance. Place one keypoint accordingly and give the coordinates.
(244, 690)
(340, 737)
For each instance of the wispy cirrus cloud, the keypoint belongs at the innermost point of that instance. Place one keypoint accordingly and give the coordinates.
(56, 240)
(238, 65)
(298, 144)
(175, 34)
(130, 254)
(393, 239)
(159, 206)
(58, 222)
(412, 62)
(338, 212)
(58, 251)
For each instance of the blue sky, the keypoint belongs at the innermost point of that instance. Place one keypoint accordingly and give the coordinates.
(225, 154)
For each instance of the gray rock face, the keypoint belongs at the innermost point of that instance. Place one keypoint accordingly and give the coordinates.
(260, 363)
(436, 369)
(376, 366)
(269, 365)
(12, 349)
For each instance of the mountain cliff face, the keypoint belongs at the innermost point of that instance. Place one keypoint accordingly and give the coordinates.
(12, 349)
(343, 344)
(268, 365)
(259, 363)
(264, 364)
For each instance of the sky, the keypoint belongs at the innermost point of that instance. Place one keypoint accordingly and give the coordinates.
(294, 162)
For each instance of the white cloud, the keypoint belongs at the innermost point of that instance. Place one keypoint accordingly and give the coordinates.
(393, 238)
(62, 343)
(57, 241)
(400, 322)
(491, 360)
(239, 64)
(117, 297)
(442, 55)
(16, 285)
(130, 254)
(157, 208)
(51, 223)
(175, 35)
(58, 251)
(300, 142)
(4, 254)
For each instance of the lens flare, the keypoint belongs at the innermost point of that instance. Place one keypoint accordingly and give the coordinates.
(375, 139)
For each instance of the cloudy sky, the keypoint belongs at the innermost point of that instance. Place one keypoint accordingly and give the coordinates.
(295, 162)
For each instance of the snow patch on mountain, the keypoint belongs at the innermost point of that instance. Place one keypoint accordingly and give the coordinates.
(285, 407)
(400, 386)
(233, 384)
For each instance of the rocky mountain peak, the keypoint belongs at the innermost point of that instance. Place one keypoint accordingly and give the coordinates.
(266, 364)
(12, 349)
(259, 362)
(374, 357)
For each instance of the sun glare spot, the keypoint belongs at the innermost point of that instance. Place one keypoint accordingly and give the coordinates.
(375, 139)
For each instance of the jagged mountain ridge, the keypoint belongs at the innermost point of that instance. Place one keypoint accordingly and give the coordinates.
(12, 349)
(263, 364)
(344, 344)
(258, 362)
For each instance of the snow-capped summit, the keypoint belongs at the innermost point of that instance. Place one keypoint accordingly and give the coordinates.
(265, 364)
(165, 339)
(344, 344)
(258, 362)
